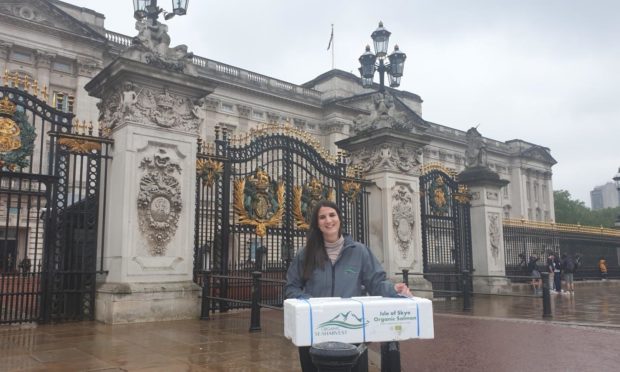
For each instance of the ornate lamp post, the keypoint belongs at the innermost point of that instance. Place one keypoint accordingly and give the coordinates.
(149, 9)
(376, 62)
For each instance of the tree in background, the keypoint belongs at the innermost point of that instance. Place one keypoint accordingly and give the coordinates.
(574, 211)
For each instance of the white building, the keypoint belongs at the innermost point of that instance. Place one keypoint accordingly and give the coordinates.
(62, 47)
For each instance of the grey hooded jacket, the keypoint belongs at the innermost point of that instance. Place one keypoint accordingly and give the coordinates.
(355, 266)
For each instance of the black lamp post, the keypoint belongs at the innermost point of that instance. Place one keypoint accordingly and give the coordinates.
(149, 9)
(617, 181)
(371, 62)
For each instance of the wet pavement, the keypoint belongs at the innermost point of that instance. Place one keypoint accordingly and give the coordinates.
(499, 334)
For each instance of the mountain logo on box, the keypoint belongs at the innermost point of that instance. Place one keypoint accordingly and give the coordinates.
(342, 320)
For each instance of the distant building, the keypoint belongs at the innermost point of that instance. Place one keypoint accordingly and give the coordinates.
(605, 196)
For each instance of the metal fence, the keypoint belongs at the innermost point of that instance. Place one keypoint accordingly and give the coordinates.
(525, 238)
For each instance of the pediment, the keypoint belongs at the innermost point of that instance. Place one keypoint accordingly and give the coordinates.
(538, 153)
(44, 16)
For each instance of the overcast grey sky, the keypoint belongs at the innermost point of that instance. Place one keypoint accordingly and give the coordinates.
(544, 71)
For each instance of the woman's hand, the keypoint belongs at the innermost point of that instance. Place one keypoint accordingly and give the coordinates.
(402, 290)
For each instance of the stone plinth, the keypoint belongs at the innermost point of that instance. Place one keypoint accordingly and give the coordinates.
(149, 216)
(118, 303)
(391, 160)
(486, 228)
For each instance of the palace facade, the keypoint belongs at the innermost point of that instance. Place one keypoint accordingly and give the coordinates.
(62, 47)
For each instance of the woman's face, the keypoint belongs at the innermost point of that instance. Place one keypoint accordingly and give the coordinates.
(329, 224)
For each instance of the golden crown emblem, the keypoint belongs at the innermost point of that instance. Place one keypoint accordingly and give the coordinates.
(260, 180)
(7, 108)
(9, 130)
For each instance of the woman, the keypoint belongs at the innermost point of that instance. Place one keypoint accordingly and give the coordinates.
(334, 265)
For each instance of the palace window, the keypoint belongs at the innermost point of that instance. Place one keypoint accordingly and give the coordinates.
(63, 101)
(62, 67)
(259, 115)
(227, 107)
(21, 57)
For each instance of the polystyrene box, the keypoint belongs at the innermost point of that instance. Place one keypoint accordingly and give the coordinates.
(357, 319)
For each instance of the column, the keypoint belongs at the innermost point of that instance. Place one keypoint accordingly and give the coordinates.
(86, 106)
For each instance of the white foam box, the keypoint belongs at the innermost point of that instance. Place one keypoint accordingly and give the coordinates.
(357, 319)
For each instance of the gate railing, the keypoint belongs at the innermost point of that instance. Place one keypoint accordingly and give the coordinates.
(254, 196)
(523, 239)
(52, 183)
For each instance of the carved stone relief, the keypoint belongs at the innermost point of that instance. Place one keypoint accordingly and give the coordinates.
(389, 157)
(403, 218)
(44, 59)
(492, 195)
(475, 195)
(24, 11)
(299, 123)
(244, 111)
(148, 106)
(382, 115)
(159, 201)
(88, 67)
(152, 46)
(211, 103)
(495, 234)
(272, 117)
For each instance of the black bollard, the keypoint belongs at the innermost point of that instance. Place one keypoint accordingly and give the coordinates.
(390, 356)
(466, 291)
(335, 356)
(206, 302)
(546, 297)
(256, 298)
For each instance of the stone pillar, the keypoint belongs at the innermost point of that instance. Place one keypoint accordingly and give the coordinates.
(86, 107)
(5, 51)
(44, 63)
(151, 110)
(390, 158)
(486, 228)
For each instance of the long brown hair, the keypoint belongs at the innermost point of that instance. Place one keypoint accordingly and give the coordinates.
(315, 254)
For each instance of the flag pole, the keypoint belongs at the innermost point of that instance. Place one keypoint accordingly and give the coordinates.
(333, 46)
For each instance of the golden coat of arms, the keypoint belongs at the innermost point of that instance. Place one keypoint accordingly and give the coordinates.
(306, 198)
(259, 201)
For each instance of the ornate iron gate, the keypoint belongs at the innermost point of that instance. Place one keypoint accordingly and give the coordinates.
(50, 193)
(254, 197)
(446, 230)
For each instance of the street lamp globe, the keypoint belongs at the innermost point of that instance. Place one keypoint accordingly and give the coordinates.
(179, 7)
(140, 8)
(381, 38)
(367, 60)
(366, 82)
(397, 62)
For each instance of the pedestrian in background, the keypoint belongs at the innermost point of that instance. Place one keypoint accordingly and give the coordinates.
(557, 274)
(550, 270)
(602, 268)
(568, 270)
(532, 267)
